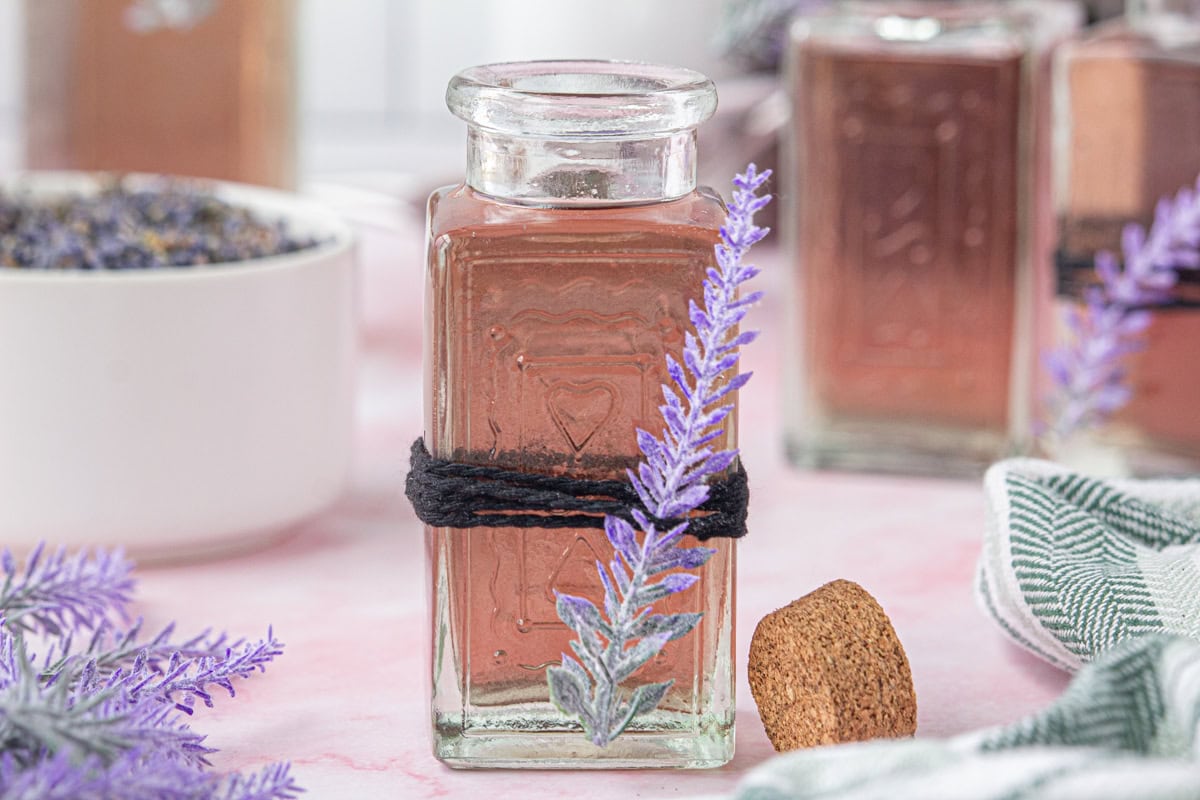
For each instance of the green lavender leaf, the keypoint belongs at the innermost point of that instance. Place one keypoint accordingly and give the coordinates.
(645, 699)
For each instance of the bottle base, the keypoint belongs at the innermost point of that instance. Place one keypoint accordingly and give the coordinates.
(1124, 453)
(522, 746)
(925, 451)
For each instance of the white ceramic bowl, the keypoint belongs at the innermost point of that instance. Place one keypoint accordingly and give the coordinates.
(177, 411)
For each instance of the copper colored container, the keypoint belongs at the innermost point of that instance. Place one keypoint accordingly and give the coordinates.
(211, 96)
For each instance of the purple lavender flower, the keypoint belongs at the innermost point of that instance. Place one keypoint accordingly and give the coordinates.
(107, 719)
(137, 775)
(110, 648)
(670, 482)
(41, 718)
(56, 592)
(163, 673)
(1089, 370)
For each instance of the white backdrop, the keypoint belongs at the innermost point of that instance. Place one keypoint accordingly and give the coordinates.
(10, 77)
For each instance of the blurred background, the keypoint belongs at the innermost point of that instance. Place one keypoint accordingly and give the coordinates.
(369, 74)
(946, 174)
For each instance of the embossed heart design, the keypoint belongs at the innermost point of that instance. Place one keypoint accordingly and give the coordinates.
(579, 410)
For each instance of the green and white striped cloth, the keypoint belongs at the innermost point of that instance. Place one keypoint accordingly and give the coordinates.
(1073, 565)
(1102, 577)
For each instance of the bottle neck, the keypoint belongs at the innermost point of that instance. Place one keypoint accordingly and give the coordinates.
(596, 171)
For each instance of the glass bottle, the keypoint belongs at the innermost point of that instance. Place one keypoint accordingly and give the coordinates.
(916, 176)
(202, 88)
(558, 279)
(1129, 115)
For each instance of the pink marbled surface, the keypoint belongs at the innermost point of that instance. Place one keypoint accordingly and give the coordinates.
(346, 704)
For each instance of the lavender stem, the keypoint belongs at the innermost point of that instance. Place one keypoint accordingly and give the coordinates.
(670, 482)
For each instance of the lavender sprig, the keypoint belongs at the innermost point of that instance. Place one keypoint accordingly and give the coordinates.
(163, 677)
(69, 716)
(1089, 371)
(136, 775)
(56, 593)
(107, 719)
(671, 483)
(110, 647)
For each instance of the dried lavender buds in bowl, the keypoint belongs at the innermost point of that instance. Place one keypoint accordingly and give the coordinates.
(134, 224)
(182, 359)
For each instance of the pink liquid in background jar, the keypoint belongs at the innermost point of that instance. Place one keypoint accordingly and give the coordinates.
(919, 194)
(1132, 124)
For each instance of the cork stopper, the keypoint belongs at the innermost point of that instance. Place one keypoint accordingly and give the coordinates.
(829, 669)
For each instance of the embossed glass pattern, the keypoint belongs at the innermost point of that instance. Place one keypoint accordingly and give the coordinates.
(548, 320)
(1130, 118)
(913, 197)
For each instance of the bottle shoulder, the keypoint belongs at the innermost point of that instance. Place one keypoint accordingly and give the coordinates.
(460, 208)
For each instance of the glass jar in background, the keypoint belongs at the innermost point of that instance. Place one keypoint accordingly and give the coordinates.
(190, 87)
(558, 278)
(1129, 115)
(919, 199)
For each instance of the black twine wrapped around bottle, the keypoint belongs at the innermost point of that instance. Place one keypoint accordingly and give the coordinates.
(451, 494)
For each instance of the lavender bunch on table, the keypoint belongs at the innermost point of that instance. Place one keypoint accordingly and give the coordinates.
(102, 713)
(671, 483)
(1089, 372)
